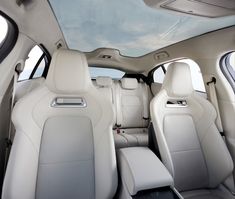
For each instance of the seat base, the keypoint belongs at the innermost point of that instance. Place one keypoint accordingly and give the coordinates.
(219, 193)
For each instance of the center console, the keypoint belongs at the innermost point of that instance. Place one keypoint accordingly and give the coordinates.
(143, 176)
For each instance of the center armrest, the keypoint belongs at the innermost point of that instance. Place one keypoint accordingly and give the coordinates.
(141, 170)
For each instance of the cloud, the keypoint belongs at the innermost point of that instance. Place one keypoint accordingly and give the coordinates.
(128, 25)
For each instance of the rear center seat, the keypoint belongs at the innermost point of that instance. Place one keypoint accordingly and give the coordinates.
(132, 113)
(131, 106)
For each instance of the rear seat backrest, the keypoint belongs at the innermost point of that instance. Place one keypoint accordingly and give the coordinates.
(133, 104)
(105, 86)
(132, 112)
(130, 102)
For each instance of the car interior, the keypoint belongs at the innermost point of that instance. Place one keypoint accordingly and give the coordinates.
(128, 99)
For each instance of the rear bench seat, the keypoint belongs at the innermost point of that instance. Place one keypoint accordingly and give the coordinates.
(131, 106)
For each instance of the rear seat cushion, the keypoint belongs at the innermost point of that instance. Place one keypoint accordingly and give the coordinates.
(131, 137)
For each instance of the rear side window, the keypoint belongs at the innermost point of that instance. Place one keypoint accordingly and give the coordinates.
(8, 35)
(35, 64)
(228, 68)
(110, 72)
(158, 75)
(3, 29)
(232, 61)
(197, 79)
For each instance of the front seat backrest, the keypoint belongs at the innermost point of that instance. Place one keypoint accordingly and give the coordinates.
(63, 147)
(190, 145)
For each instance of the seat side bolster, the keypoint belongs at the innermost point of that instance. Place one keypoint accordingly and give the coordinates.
(157, 105)
(22, 164)
(218, 159)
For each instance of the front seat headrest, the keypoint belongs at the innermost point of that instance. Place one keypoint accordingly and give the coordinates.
(68, 73)
(178, 81)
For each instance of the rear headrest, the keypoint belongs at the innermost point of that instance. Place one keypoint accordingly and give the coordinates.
(103, 81)
(129, 83)
(178, 82)
(68, 73)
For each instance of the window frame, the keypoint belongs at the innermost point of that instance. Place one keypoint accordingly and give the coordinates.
(11, 37)
(224, 64)
(47, 58)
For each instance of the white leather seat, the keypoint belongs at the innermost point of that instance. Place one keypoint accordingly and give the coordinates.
(104, 85)
(63, 147)
(27, 86)
(190, 145)
(132, 113)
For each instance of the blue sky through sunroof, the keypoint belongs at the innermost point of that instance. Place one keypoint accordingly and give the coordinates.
(128, 25)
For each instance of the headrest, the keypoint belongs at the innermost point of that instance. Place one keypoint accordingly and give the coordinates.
(104, 81)
(129, 83)
(178, 82)
(68, 73)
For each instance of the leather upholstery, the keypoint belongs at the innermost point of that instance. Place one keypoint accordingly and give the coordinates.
(190, 145)
(132, 106)
(133, 161)
(104, 81)
(64, 78)
(135, 106)
(27, 86)
(129, 83)
(176, 82)
(36, 149)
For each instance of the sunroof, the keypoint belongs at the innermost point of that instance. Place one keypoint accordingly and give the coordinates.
(128, 25)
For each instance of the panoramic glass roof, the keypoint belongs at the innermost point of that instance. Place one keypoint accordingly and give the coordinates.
(128, 25)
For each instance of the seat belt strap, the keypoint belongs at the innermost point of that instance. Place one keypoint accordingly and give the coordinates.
(214, 100)
(118, 106)
(145, 102)
(9, 136)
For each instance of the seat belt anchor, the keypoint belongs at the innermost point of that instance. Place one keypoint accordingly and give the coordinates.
(145, 118)
(8, 143)
(213, 80)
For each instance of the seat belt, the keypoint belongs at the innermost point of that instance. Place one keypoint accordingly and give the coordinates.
(145, 102)
(214, 100)
(9, 138)
(118, 108)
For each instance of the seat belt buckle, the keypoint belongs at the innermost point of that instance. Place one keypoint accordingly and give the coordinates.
(118, 128)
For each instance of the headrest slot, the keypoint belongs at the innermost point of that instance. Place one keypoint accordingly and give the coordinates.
(69, 102)
(176, 104)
